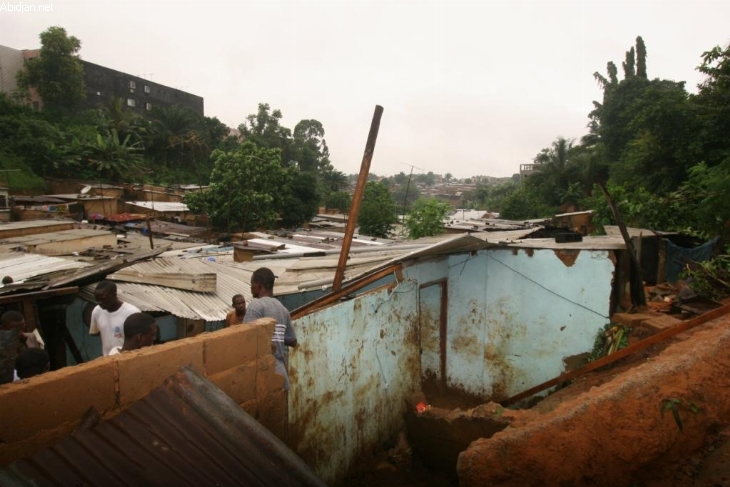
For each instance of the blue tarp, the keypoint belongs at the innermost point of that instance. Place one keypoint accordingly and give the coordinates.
(678, 256)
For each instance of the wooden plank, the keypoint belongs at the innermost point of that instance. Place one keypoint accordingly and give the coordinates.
(202, 283)
(99, 271)
(624, 352)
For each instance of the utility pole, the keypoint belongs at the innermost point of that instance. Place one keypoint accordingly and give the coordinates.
(408, 185)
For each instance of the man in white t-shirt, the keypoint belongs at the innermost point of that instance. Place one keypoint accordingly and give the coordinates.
(108, 317)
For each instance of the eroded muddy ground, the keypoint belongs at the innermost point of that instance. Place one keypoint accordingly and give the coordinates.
(441, 430)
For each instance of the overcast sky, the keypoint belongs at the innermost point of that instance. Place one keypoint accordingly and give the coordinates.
(470, 88)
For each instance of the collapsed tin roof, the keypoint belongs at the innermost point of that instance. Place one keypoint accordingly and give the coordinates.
(185, 432)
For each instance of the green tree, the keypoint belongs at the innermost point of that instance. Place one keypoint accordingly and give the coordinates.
(309, 147)
(115, 159)
(340, 201)
(265, 130)
(377, 215)
(57, 73)
(448, 177)
(298, 199)
(242, 190)
(426, 218)
(172, 136)
(640, 58)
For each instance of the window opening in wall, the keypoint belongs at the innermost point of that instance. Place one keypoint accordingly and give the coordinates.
(148, 106)
(98, 93)
(146, 89)
(131, 102)
(132, 84)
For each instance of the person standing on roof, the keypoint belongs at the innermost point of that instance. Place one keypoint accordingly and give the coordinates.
(236, 315)
(140, 330)
(266, 306)
(108, 317)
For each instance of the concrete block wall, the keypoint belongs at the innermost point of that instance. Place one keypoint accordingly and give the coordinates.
(39, 411)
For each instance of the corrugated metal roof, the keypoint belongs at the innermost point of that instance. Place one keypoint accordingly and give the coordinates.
(163, 206)
(33, 224)
(62, 236)
(454, 244)
(187, 432)
(185, 304)
(233, 278)
(26, 266)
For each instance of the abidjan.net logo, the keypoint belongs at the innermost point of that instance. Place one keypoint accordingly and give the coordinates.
(22, 7)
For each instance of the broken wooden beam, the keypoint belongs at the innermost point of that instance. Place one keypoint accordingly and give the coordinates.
(344, 291)
(201, 283)
(624, 352)
(357, 198)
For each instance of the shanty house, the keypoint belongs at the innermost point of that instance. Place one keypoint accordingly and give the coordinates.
(486, 318)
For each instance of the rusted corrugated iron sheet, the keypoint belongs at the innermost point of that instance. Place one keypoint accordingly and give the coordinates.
(25, 266)
(186, 432)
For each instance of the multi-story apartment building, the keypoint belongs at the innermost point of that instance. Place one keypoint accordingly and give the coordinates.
(102, 86)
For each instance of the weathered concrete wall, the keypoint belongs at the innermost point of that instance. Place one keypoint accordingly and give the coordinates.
(542, 306)
(514, 315)
(355, 364)
(37, 412)
(616, 434)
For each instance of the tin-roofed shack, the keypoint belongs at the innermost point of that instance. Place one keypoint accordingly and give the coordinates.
(481, 317)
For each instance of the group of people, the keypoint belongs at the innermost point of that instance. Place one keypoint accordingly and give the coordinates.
(123, 327)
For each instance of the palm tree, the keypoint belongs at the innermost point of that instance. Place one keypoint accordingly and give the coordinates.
(174, 133)
(114, 158)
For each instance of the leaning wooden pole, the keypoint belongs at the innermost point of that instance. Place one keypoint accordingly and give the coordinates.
(637, 277)
(357, 198)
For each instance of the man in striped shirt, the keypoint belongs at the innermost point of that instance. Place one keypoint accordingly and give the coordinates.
(266, 306)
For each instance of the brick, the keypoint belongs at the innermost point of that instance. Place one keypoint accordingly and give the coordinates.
(230, 347)
(272, 413)
(265, 329)
(660, 323)
(49, 400)
(629, 319)
(267, 380)
(238, 382)
(142, 370)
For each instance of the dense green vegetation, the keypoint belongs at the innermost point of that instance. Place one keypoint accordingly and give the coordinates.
(661, 153)
(269, 172)
(426, 218)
